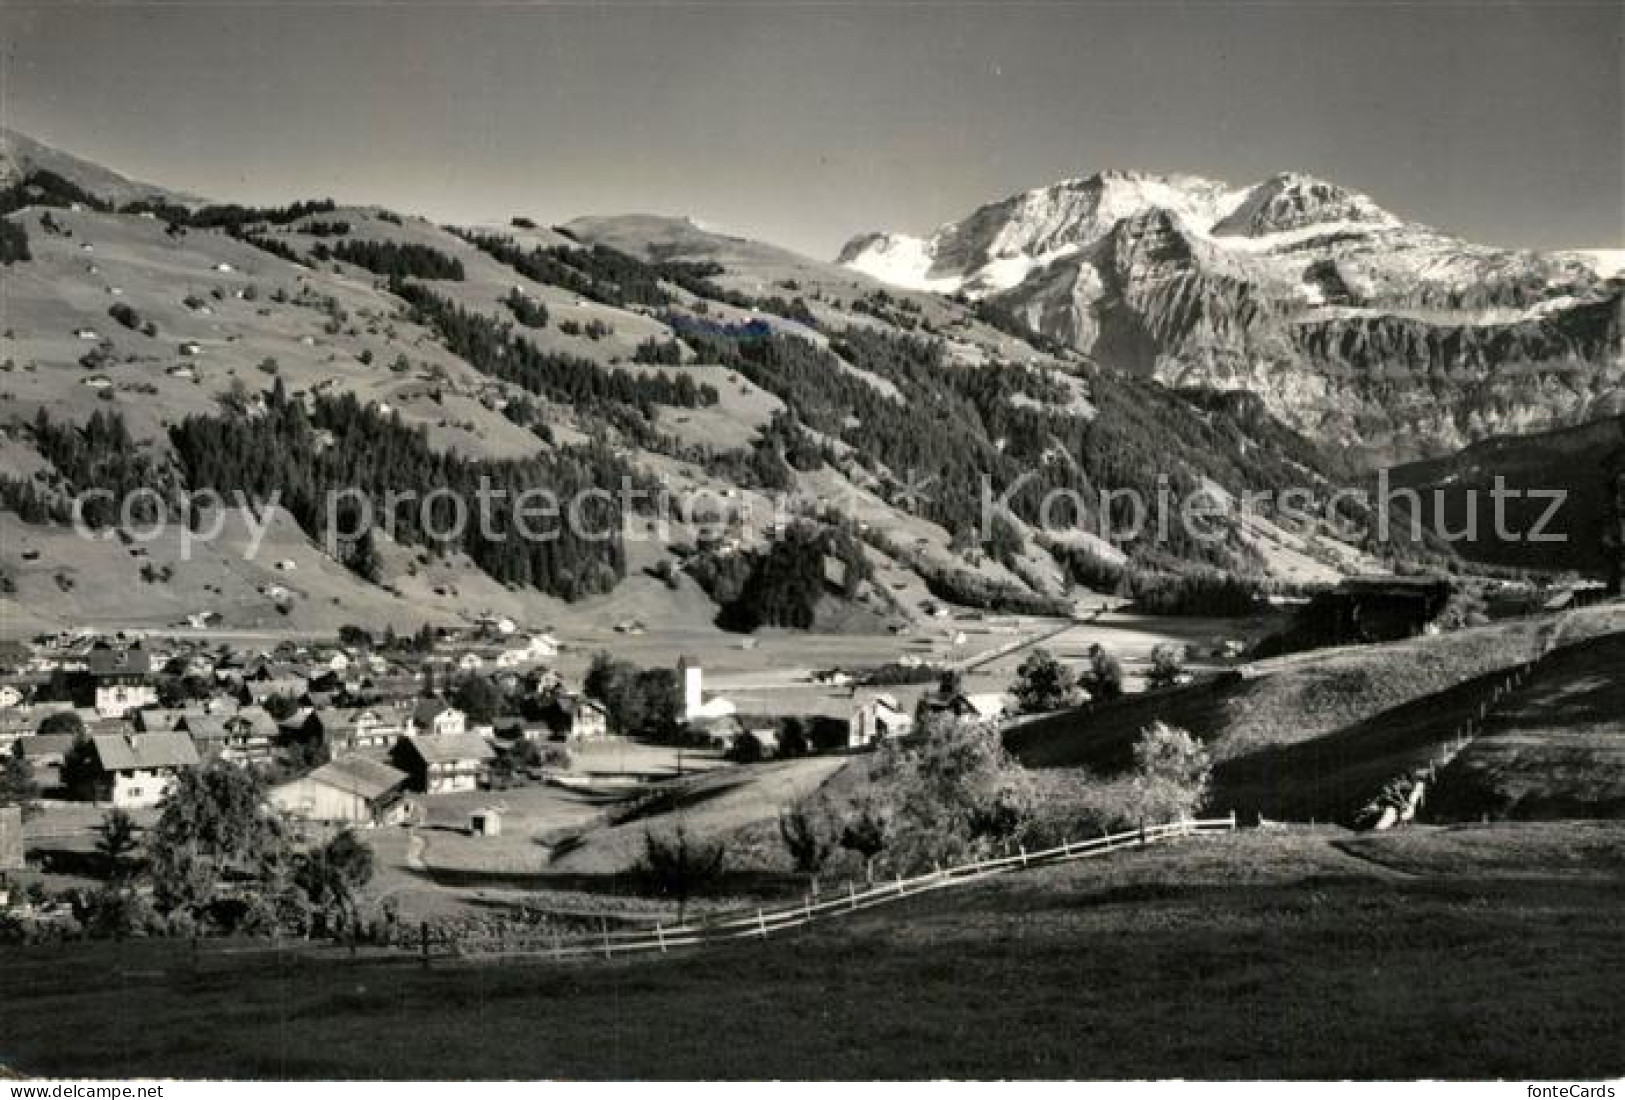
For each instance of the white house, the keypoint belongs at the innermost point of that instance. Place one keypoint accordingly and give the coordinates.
(439, 719)
(876, 718)
(136, 770)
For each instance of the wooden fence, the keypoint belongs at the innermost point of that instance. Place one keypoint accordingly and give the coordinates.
(763, 922)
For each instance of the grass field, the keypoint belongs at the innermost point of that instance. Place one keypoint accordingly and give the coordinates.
(1308, 736)
(1554, 748)
(1264, 954)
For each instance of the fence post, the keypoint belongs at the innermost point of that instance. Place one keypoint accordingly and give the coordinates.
(1142, 834)
(423, 943)
(761, 924)
(1232, 821)
(851, 894)
(660, 934)
(1023, 850)
(901, 889)
(604, 927)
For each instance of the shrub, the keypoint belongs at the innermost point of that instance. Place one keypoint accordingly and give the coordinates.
(1043, 683)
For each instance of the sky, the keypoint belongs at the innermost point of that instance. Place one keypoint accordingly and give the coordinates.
(807, 123)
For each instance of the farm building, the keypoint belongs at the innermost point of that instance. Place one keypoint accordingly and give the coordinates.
(350, 789)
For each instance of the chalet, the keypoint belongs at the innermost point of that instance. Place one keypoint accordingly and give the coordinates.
(350, 789)
(440, 764)
(575, 718)
(247, 737)
(435, 717)
(120, 680)
(136, 771)
(348, 729)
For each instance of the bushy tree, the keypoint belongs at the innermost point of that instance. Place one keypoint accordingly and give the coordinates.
(1043, 683)
(18, 787)
(115, 841)
(746, 748)
(329, 877)
(955, 796)
(81, 767)
(1172, 771)
(1167, 665)
(479, 698)
(865, 833)
(810, 836)
(214, 826)
(1104, 681)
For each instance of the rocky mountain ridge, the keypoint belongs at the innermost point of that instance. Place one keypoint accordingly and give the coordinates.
(1375, 333)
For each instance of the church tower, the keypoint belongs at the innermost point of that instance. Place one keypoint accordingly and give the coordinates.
(693, 677)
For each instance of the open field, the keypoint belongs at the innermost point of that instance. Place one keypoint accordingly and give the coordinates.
(1263, 954)
(1282, 701)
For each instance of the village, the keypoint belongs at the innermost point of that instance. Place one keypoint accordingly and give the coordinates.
(491, 741)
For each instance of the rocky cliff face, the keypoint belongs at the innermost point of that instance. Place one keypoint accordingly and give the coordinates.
(1380, 335)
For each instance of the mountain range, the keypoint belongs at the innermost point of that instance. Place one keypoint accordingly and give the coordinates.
(1119, 332)
(1377, 334)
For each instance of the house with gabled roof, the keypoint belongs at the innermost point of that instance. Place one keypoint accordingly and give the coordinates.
(136, 771)
(120, 679)
(246, 737)
(438, 718)
(440, 764)
(350, 789)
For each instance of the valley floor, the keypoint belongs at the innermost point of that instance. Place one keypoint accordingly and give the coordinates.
(1470, 952)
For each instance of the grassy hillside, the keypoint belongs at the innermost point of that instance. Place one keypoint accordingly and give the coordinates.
(1282, 701)
(1268, 954)
(501, 345)
(1555, 748)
